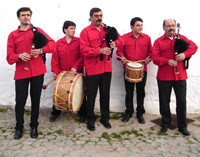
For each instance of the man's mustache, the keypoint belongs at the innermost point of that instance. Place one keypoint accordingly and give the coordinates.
(171, 30)
(99, 20)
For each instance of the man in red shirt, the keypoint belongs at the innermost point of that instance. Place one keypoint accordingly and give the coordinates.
(137, 46)
(19, 51)
(67, 57)
(167, 77)
(98, 71)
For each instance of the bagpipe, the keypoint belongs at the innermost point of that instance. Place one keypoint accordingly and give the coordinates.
(181, 46)
(110, 36)
(39, 41)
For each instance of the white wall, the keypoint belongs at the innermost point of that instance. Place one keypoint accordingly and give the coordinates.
(50, 15)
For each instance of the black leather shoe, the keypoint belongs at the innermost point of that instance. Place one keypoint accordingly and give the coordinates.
(141, 119)
(34, 133)
(82, 119)
(106, 124)
(184, 131)
(90, 126)
(53, 118)
(164, 128)
(126, 118)
(18, 134)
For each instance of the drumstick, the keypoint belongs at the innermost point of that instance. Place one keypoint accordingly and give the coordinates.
(139, 61)
(129, 60)
(45, 86)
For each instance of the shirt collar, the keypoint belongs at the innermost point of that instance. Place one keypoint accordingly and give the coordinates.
(131, 35)
(64, 40)
(19, 30)
(91, 26)
(165, 37)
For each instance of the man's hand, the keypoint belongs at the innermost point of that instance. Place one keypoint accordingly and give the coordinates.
(25, 57)
(73, 70)
(172, 62)
(105, 51)
(55, 75)
(148, 60)
(35, 52)
(123, 60)
(112, 44)
(180, 57)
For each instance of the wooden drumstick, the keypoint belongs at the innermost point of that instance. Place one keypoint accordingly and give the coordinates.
(45, 86)
(129, 60)
(139, 61)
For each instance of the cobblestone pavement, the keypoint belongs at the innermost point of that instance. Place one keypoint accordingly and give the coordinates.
(67, 137)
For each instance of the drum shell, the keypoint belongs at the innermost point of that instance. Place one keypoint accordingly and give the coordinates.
(133, 73)
(64, 91)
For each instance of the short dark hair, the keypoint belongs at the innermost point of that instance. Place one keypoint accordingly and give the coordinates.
(94, 10)
(133, 20)
(165, 21)
(23, 9)
(67, 24)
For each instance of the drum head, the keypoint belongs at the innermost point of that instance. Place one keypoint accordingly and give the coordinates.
(78, 93)
(134, 64)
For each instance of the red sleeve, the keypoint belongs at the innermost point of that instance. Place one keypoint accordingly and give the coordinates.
(191, 49)
(120, 47)
(55, 61)
(157, 58)
(12, 56)
(49, 48)
(79, 63)
(149, 53)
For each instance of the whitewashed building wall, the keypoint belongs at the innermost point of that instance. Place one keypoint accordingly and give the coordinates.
(50, 15)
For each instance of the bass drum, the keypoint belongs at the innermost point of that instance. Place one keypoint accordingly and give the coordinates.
(69, 91)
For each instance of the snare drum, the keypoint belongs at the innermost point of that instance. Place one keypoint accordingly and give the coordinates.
(68, 91)
(134, 72)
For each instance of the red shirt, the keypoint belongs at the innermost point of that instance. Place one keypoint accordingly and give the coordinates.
(163, 51)
(90, 40)
(136, 49)
(66, 56)
(21, 41)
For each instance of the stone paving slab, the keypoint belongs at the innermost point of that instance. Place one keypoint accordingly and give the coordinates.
(67, 137)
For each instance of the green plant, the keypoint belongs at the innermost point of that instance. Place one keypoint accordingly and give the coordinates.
(126, 132)
(2, 110)
(162, 133)
(116, 115)
(27, 112)
(59, 132)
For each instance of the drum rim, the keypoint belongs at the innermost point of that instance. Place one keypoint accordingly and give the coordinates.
(72, 88)
(129, 64)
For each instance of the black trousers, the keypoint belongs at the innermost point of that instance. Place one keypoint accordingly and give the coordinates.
(93, 82)
(140, 90)
(81, 112)
(165, 88)
(21, 89)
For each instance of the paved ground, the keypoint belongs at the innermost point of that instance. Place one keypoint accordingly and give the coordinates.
(67, 137)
